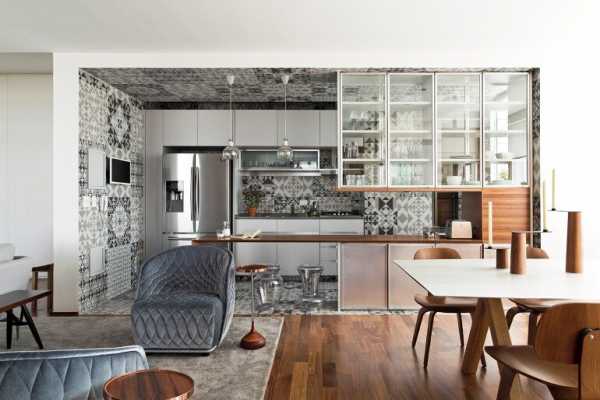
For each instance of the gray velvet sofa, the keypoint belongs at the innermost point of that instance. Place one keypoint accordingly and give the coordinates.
(65, 374)
(184, 300)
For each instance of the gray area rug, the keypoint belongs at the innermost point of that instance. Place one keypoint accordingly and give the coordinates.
(228, 373)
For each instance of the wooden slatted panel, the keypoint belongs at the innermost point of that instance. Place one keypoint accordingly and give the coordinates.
(511, 212)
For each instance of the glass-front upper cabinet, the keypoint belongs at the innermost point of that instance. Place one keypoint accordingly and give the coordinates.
(458, 125)
(506, 129)
(410, 128)
(362, 147)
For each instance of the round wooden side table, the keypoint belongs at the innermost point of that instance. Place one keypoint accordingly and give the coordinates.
(253, 340)
(149, 384)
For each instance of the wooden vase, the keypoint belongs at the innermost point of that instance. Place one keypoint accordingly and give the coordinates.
(574, 262)
(502, 258)
(518, 253)
(252, 211)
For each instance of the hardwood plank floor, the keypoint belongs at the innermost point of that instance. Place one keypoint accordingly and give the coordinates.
(370, 357)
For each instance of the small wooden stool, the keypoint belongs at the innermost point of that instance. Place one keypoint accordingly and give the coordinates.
(253, 340)
(48, 268)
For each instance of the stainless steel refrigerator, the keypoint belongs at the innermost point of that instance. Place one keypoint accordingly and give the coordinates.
(197, 195)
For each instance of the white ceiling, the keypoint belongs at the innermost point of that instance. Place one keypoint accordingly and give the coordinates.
(285, 25)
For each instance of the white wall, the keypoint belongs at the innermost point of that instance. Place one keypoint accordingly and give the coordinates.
(26, 165)
(569, 90)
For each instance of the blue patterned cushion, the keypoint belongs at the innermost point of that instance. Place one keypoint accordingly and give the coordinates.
(65, 374)
(178, 321)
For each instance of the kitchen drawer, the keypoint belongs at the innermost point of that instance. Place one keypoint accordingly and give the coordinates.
(298, 226)
(252, 225)
(329, 267)
(466, 250)
(328, 252)
(342, 226)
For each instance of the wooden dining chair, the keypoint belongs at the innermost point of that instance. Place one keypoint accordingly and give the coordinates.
(437, 304)
(533, 307)
(565, 356)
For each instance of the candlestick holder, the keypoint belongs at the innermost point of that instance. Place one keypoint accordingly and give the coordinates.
(574, 259)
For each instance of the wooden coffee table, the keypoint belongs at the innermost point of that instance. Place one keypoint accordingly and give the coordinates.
(20, 298)
(150, 384)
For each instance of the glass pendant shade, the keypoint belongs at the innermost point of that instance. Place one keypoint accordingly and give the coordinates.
(285, 152)
(230, 152)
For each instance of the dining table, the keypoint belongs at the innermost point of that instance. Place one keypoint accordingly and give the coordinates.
(480, 279)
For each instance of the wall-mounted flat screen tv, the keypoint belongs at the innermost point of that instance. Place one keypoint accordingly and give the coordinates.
(118, 171)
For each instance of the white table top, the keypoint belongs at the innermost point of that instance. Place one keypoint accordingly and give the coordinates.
(545, 279)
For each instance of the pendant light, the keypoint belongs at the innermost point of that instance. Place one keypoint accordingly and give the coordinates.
(285, 152)
(230, 152)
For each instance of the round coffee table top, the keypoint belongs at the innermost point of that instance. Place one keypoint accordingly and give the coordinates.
(252, 268)
(149, 384)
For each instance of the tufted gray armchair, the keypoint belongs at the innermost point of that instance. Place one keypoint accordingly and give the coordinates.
(185, 300)
(65, 374)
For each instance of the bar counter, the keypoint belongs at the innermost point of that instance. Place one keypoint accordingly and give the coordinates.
(302, 238)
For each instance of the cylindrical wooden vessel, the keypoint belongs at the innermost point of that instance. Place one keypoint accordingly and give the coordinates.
(574, 243)
(518, 253)
(502, 258)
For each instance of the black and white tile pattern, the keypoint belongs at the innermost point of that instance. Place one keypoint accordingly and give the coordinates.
(397, 213)
(111, 217)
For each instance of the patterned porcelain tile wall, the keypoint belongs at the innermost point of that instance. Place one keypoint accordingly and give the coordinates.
(111, 218)
(281, 192)
(397, 213)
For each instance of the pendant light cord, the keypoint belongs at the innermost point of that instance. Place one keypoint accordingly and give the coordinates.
(231, 111)
(285, 111)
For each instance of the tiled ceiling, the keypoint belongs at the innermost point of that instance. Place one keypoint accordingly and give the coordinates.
(210, 84)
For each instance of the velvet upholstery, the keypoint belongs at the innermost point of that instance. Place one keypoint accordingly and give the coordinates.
(185, 300)
(65, 374)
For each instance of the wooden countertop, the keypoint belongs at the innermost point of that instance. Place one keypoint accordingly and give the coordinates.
(300, 238)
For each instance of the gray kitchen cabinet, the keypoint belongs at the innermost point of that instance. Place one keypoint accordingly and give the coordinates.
(328, 128)
(180, 127)
(302, 128)
(363, 276)
(466, 250)
(256, 127)
(292, 255)
(255, 253)
(401, 287)
(153, 182)
(328, 252)
(214, 127)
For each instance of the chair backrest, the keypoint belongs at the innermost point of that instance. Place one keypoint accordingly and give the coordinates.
(437, 253)
(65, 374)
(536, 252)
(558, 336)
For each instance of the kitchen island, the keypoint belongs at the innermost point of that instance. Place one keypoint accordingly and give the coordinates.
(367, 277)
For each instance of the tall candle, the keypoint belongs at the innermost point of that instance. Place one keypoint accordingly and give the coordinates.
(554, 188)
(544, 208)
(490, 224)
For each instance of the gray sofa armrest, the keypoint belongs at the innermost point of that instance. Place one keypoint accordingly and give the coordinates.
(65, 374)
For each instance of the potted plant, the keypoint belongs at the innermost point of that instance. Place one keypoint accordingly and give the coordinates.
(252, 199)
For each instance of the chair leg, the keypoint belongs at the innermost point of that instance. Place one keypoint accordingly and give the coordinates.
(422, 312)
(510, 315)
(428, 340)
(460, 330)
(532, 329)
(507, 377)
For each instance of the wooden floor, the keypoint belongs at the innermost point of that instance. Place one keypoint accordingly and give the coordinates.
(370, 357)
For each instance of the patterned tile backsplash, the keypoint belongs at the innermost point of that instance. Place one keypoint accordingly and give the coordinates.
(384, 213)
(110, 217)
